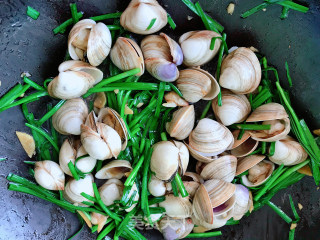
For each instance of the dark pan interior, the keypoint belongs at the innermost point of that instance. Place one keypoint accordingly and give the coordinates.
(28, 45)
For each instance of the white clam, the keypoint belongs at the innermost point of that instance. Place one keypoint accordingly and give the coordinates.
(49, 175)
(177, 207)
(195, 46)
(90, 38)
(139, 14)
(156, 187)
(110, 191)
(114, 169)
(172, 228)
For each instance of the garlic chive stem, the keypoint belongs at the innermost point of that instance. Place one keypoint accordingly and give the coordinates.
(161, 91)
(263, 147)
(272, 148)
(294, 210)
(251, 126)
(164, 136)
(114, 27)
(204, 18)
(254, 10)
(232, 222)
(106, 231)
(175, 89)
(30, 162)
(221, 50)
(102, 205)
(272, 179)
(106, 16)
(3, 159)
(43, 133)
(33, 84)
(281, 213)
(51, 112)
(125, 222)
(180, 185)
(62, 28)
(156, 200)
(152, 22)
(87, 196)
(288, 172)
(133, 174)
(73, 171)
(94, 228)
(171, 22)
(143, 112)
(74, 13)
(292, 5)
(11, 95)
(31, 98)
(31, 12)
(204, 235)
(291, 234)
(174, 188)
(206, 109)
(10, 99)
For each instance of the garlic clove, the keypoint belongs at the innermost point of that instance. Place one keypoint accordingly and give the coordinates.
(138, 15)
(49, 175)
(99, 44)
(27, 143)
(126, 55)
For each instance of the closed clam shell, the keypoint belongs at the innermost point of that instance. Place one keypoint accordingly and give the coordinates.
(258, 174)
(248, 162)
(241, 201)
(235, 108)
(70, 84)
(139, 14)
(49, 175)
(162, 55)
(240, 71)
(177, 207)
(67, 153)
(164, 165)
(126, 55)
(288, 152)
(110, 191)
(99, 44)
(243, 146)
(196, 47)
(193, 84)
(273, 114)
(219, 191)
(114, 169)
(198, 156)
(172, 228)
(182, 122)
(210, 138)
(223, 168)
(74, 188)
(111, 118)
(68, 119)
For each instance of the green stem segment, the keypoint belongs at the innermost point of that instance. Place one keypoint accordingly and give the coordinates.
(62, 28)
(281, 213)
(204, 235)
(206, 109)
(251, 126)
(74, 13)
(106, 16)
(51, 112)
(31, 12)
(180, 185)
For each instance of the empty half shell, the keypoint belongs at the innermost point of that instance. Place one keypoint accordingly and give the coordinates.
(114, 169)
(244, 146)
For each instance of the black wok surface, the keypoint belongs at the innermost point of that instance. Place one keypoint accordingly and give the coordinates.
(29, 45)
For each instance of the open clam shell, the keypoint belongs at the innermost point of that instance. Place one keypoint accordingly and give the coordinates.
(115, 169)
(244, 146)
(288, 152)
(223, 168)
(258, 174)
(182, 123)
(191, 182)
(219, 191)
(248, 162)
(126, 55)
(183, 156)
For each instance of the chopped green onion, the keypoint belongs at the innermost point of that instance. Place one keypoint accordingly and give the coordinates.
(106, 231)
(212, 22)
(174, 188)
(62, 28)
(262, 97)
(204, 235)
(213, 41)
(156, 200)
(151, 23)
(288, 74)
(232, 222)
(254, 10)
(74, 13)
(263, 147)
(284, 13)
(206, 109)
(3, 159)
(51, 112)
(134, 172)
(10, 96)
(73, 171)
(241, 133)
(94, 228)
(221, 50)
(43, 133)
(162, 87)
(251, 126)
(291, 234)
(205, 19)
(106, 16)
(281, 213)
(180, 185)
(31, 12)
(171, 22)
(114, 27)
(30, 162)
(175, 89)
(291, 5)
(294, 210)
(33, 84)
(272, 148)
(164, 136)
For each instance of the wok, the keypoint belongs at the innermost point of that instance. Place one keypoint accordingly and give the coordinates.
(29, 45)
